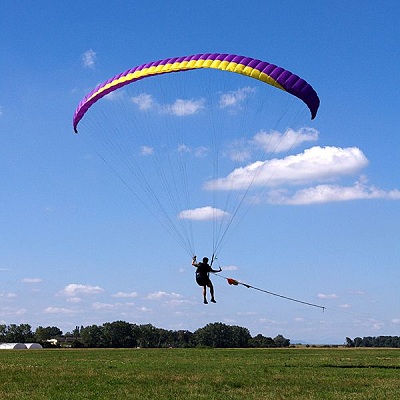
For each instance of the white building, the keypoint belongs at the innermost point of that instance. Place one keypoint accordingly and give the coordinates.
(10, 346)
(33, 346)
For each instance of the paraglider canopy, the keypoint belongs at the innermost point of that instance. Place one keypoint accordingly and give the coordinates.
(261, 70)
(175, 153)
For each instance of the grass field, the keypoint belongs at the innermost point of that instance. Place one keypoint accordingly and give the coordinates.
(200, 374)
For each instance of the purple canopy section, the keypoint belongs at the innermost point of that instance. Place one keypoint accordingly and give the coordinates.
(290, 82)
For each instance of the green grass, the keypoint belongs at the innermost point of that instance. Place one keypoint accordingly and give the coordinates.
(200, 374)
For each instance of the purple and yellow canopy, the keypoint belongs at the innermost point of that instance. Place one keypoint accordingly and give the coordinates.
(257, 69)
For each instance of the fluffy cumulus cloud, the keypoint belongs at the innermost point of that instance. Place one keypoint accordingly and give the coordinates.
(180, 107)
(167, 299)
(277, 142)
(144, 101)
(125, 294)
(313, 165)
(235, 99)
(198, 152)
(332, 193)
(75, 289)
(203, 214)
(327, 296)
(58, 310)
(89, 59)
(183, 107)
(241, 150)
(163, 295)
(315, 172)
(115, 96)
(100, 306)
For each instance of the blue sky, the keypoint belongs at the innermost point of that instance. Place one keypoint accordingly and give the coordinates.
(76, 248)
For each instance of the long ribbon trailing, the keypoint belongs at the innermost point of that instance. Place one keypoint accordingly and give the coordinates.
(235, 282)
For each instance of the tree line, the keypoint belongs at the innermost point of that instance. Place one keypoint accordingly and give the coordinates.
(122, 334)
(374, 341)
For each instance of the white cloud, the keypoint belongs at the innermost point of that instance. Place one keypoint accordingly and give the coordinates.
(333, 193)
(180, 107)
(357, 292)
(89, 58)
(184, 107)
(177, 302)
(104, 306)
(162, 295)
(314, 164)
(241, 150)
(74, 300)
(275, 142)
(327, 296)
(378, 325)
(201, 151)
(244, 313)
(230, 268)
(125, 295)
(1, 111)
(146, 151)
(203, 214)
(145, 101)
(58, 310)
(396, 320)
(240, 155)
(5, 311)
(73, 289)
(182, 148)
(115, 95)
(111, 306)
(8, 295)
(345, 305)
(31, 280)
(268, 321)
(234, 99)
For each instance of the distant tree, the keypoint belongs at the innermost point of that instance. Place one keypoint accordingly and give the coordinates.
(212, 335)
(261, 341)
(19, 333)
(184, 338)
(148, 336)
(220, 335)
(367, 342)
(378, 341)
(240, 337)
(3, 332)
(121, 334)
(76, 333)
(92, 336)
(49, 332)
(118, 334)
(280, 341)
(349, 342)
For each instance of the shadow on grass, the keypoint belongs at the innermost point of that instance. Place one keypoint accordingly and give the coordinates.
(362, 366)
